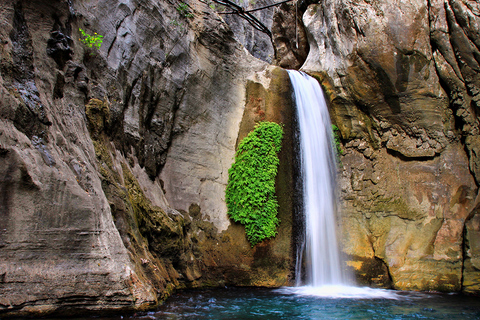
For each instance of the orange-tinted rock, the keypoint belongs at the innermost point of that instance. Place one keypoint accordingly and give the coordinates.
(401, 79)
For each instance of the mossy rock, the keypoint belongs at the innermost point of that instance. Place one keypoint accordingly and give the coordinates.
(98, 116)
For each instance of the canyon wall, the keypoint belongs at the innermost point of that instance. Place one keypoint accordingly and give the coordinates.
(402, 81)
(114, 161)
(286, 45)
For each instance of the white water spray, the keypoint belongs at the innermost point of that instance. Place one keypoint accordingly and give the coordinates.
(318, 174)
(325, 276)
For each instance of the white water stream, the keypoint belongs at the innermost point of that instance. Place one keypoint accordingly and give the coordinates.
(318, 174)
(324, 267)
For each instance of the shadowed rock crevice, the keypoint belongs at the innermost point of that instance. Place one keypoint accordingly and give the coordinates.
(403, 158)
(29, 115)
(370, 271)
(59, 45)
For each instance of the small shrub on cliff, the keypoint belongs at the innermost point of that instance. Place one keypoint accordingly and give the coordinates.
(91, 41)
(182, 8)
(336, 139)
(250, 193)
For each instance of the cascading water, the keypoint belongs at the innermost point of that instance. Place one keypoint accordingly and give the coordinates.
(318, 168)
(324, 268)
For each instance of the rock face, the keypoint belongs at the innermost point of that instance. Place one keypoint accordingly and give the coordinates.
(256, 42)
(287, 46)
(57, 235)
(472, 252)
(113, 162)
(289, 36)
(401, 78)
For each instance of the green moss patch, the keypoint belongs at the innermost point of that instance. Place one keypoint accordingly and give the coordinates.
(250, 193)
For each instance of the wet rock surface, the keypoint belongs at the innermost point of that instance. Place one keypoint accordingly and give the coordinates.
(401, 82)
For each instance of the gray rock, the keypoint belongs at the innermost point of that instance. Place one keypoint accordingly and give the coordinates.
(256, 42)
(114, 161)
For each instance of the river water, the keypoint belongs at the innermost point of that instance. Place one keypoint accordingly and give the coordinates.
(250, 303)
(260, 303)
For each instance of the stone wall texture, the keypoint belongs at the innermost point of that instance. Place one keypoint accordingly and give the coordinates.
(114, 161)
(402, 82)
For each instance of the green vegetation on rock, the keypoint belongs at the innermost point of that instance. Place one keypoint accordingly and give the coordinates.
(336, 139)
(183, 9)
(250, 193)
(91, 40)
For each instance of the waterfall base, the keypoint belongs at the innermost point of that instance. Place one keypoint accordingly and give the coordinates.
(341, 291)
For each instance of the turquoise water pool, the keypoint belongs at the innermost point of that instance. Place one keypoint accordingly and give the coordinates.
(305, 303)
(252, 303)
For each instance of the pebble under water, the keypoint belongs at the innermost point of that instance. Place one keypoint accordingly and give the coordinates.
(260, 303)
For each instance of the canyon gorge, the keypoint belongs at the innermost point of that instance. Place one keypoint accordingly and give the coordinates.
(114, 161)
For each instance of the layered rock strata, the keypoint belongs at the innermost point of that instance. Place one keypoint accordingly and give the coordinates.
(114, 161)
(400, 77)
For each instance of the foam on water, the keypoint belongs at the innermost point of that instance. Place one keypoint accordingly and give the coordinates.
(341, 292)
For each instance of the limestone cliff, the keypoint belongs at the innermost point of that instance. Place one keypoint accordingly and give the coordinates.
(287, 46)
(402, 83)
(113, 162)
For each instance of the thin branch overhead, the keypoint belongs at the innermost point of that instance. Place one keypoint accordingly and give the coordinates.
(246, 14)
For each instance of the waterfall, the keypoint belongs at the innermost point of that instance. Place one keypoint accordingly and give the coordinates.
(318, 172)
(324, 269)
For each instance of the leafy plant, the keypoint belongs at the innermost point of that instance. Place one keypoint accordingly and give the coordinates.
(183, 9)
(91, 41)
(175, 23)
(336, 139)
(250, 193)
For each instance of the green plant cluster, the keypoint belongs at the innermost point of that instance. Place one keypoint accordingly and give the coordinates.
(336, 139)
(182, 8)
(250, 193)
(91, 40)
